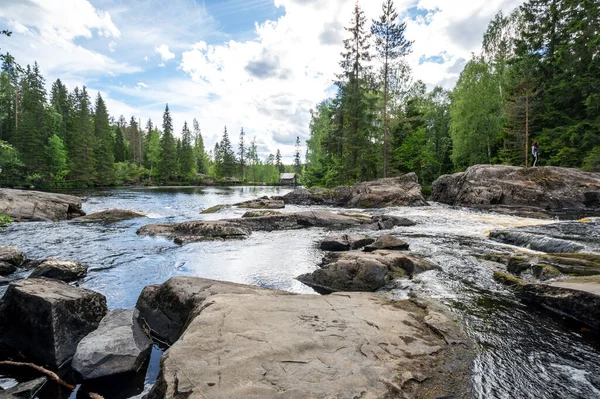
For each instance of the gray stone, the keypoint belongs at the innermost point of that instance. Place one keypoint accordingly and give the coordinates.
(262, 203)
(166, 308)
(48, 318)
(32, 206)
(197, 231)
(549, 188)
(11, 255)
(7, 268)
(395, 191)
(345, 242)
(64, 270)
(363, 271)
(25, 390)
(274, 344)
(112, 215)
(389, 242)
(118, 346)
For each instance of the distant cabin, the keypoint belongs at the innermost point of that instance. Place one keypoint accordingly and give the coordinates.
(287, 179)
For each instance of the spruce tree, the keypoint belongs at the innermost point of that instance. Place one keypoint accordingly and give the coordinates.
(391, 46)
(199, 151)
(120, 147)
(82, 139)
(227, 155)
(242, 154)
(167, 169)
(278, 164)
(187, 161)
(59, 99)
(297, 161)
(105, 159)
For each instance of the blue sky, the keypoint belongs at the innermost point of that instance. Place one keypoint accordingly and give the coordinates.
(257, 64)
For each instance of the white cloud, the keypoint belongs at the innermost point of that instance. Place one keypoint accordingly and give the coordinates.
(141, 85)
(111, 46)
(163, 51)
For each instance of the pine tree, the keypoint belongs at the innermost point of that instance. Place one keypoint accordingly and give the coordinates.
(59, 99)
(391, 46)
(104, 151)
(199, 151)
(167, 169)
(120, 147)
(278, 163)
(297, 160)
(227, 156)
(242, 154)
(187, 161)
(81, 138)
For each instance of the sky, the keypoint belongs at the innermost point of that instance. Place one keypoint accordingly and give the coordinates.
(260, 65)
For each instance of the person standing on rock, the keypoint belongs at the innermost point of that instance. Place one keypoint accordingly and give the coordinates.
(535, 151)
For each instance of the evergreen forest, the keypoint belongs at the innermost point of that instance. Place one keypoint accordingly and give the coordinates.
(536, 79)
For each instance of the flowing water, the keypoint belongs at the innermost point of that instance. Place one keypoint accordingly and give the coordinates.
(522, 352)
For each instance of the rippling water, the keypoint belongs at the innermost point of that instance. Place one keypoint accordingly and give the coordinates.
(523, 353)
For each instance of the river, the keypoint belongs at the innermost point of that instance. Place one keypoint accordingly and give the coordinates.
(522, 352)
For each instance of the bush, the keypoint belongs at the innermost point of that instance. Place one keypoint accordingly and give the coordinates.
(592, 161)
(5, 220)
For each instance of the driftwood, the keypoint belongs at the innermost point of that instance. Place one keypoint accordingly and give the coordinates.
(48, 373)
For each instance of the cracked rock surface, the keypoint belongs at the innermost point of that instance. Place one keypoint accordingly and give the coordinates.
(273, 344)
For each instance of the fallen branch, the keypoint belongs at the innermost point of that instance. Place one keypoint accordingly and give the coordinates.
(50, 374)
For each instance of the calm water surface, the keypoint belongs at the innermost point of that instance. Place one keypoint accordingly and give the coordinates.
(523, 353)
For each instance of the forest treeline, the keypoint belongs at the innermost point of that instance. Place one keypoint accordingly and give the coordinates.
(65, 139)
(537, 79)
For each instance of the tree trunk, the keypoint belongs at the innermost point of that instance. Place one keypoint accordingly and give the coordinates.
(526, 129)
(385, 129)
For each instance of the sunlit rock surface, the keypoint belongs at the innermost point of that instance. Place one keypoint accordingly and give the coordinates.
(33, 206)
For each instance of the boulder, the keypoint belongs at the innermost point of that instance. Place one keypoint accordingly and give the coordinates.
(25, 390)
(363, 271)
(345, 242)
(260, 213)
(274, 344)
(548, 266)
(297, 220)
(262, 203)
(389, 242)
(48, 318)
(112, 215)
(165, 309)
(64, 270)
(118, 346)
(7, 268)
(197, 231)
(394, 191)
(550, 188)
(11, 255)
(33, 206)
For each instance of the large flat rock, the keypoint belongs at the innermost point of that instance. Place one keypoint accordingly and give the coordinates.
(394, 191)
(45, 319)
(199, 230)
(31, 206)
(271, 344)
(549, 188)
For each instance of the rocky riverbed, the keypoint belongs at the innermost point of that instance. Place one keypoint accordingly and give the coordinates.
(436, 323)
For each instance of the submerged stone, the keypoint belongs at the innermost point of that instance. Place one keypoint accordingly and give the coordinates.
(112, 215)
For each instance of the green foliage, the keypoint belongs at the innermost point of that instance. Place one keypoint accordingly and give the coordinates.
(10, 163)
(128, 173)
(187, 161)
(5, 220)
(592, 161)
(57, 158)
(104, 145)
(167, 168)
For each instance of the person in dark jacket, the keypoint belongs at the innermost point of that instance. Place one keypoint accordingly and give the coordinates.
(535, 151)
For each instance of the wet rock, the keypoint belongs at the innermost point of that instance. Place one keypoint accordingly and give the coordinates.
(214, 209)
(395, 191)
(260, 213)
(536, 242)
(25, 390)
(297, 220)
(165, 309)
(262, 203)
(549, 188)
(363, 271)
(345, 242)
(32, 206)
(64, 270)
(280, 345)
(48, 318)
(197, 231)
(7, 268)
(553, 265)
(388, 242)
(4, 281)
(11, 255)
(112, 215)
(118, 346)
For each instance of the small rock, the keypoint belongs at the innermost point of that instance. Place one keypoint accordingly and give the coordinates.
(363, 271)
(345, 242)
(197, 231)
(112, 215)
(260, 213)
(213, 209)
(11, 255)
(25, 390)
(64, 270)
(118, 346)
(388, 242)
(262, 203)
(49, 318)
(7, 268)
